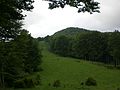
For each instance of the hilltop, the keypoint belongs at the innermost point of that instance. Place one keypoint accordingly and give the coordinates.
(71, 31)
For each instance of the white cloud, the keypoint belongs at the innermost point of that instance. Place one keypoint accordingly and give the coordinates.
(42, 21)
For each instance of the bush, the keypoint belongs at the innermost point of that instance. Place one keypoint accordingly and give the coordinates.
(118, 88)
(37, 80)
(29, 83)
(56, 83)
(91, 82)
(82, 83)
(19, 84)
(24, 83)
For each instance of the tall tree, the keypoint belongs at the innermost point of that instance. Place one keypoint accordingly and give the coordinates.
(10, 16)
(18, 58)
(28, 49)
(60, 45)
(114, 44)
(10, 25)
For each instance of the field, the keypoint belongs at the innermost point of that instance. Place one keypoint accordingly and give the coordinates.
(72, 72)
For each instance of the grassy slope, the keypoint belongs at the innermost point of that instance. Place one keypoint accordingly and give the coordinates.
(71, 73)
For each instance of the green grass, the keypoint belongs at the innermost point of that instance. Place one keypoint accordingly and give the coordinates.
(71, 72)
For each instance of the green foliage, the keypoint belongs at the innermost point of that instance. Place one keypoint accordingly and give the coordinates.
(91, 46)
(87, 45)
(40, 39)
(29, 51)
(57, 83)
(19, 54)
(114, 46)
(90, 82)
(19, 58)
(82, 5)
(70, 32)
(60, 45)
(28, 82)
(19, 83)
(10, 16)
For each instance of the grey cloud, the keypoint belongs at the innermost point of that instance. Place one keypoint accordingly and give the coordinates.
(43, 21)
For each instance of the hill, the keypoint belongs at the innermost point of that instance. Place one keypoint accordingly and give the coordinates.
(71, 31)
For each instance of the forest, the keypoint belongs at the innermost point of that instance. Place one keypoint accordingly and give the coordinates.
(18, 59)
(19, 52)
(87, 45)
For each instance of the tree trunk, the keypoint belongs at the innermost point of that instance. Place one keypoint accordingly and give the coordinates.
(115, 63)
(2, 81)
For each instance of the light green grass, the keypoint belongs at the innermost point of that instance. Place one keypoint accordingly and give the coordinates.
(71, 72)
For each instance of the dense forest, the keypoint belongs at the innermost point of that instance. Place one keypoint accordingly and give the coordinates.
(87, 45)
(19, 52)
(18, 59)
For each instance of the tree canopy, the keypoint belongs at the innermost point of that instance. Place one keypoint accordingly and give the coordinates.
(82, 5)
(18, 58)
(19, 53)
(87, 45)
(10, 16)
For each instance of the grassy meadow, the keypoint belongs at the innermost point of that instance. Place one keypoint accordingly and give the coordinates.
(72, 72)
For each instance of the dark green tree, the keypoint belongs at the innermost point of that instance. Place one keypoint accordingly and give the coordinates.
(10, 16)
(11, 63)
(114, 45)
(18, 58)
(60, 45)
(10, 26)
(82, 5)
(28, 47)
(91, 46)
(81, 47)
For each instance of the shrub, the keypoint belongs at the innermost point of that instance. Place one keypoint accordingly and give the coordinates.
(29, 83)
(91, 82)
(24, 83)
(19, 84)
(118, 88)
(82, 83)
(49, 84)
(37, 80)
(56, 83)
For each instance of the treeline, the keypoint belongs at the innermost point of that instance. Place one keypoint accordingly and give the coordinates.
(19, 58)
(92, 46)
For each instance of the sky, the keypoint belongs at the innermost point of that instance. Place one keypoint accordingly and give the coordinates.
(42, 21)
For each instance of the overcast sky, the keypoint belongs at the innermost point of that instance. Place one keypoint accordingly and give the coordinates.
(42, 21)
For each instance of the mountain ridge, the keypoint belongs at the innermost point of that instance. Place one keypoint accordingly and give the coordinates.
(71, 31)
